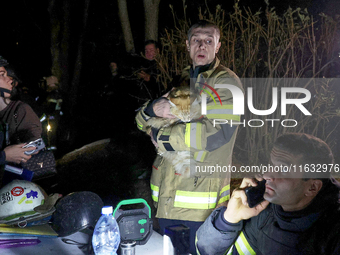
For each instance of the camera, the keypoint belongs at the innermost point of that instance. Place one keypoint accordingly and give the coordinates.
(39, 144)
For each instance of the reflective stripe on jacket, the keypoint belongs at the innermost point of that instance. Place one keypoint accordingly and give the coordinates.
(242, 246)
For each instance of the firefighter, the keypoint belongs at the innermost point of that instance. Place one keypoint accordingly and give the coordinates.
(300, 214)
(189, 201)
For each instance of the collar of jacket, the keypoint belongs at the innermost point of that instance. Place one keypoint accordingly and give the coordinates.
(186, 74)
(200, 69)
(303, 219)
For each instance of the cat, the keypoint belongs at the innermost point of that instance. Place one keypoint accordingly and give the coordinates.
(185, 106)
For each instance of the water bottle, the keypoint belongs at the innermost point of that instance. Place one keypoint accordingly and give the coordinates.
(106, 235)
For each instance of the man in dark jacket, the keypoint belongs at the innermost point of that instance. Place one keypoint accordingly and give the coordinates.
(149, 86)
(300, 214)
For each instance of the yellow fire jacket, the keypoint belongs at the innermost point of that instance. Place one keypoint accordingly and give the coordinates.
(211, 144)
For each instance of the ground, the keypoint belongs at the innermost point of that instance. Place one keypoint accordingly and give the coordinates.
(112, 168)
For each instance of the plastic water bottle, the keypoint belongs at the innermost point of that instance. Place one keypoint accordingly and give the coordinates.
(106, 236)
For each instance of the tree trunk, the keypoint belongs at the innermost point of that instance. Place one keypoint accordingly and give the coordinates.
(65, 48)
(60, 41)
(125, 22)
(78, 63)
(55, 31)
(151, 10)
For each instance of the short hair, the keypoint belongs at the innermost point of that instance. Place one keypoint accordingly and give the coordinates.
(152, 42)
(312, 149)
(3, 62)
(203, 23)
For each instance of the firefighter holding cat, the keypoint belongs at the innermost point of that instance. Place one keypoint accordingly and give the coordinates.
(178, 199)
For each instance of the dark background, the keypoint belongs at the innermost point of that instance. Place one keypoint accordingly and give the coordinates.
(25, 29)
(25, 42)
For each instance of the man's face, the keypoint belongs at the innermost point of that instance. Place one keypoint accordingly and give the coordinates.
(5, 81)
(287, 189)
(150, 51)
(203, 46)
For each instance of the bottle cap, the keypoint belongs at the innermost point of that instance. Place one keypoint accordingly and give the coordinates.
(107, 210)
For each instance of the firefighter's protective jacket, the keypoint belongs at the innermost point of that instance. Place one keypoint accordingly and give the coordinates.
(194, 198)
(313, 230)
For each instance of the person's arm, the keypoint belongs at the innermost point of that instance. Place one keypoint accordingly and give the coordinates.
(2, 157)
(145, 76)
(157, 108)
(15, 153)
(222, 229)
(216, 235)
(204, 134)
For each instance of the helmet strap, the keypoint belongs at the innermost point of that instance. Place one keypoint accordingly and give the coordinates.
(3, 91)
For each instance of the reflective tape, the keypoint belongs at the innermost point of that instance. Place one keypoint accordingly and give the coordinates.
(187, 134)
(193, 135)
(139, 126)
(195, 200)
(154, 192)
(43, 117)
(242, 246)
(200, 155)
(222, 112)
(224, 194)
(230, 252)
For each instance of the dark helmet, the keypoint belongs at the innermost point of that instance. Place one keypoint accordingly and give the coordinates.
(11, 72)
(75, 212)
(3, 62)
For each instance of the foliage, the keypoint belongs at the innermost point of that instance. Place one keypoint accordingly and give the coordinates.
(267, 45)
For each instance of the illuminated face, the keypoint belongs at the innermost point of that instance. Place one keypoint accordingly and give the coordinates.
(203, 46)
(151, 51)
(287, 189)
(5, 81)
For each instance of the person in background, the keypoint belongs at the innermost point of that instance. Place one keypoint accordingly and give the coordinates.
(189, 201)
(149, 86)
(51, 102)
(20, 91)
(300, 213)
(24, 124)
(142, 71)
(30, 128)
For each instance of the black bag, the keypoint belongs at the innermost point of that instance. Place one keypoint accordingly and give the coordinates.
(42, 164)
